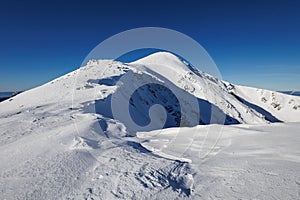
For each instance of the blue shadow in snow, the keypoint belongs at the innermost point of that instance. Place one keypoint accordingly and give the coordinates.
(268, 115)
(150, 94)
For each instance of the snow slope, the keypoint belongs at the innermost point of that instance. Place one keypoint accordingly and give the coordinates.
(108, 130)
(248, 162)
(275, 105)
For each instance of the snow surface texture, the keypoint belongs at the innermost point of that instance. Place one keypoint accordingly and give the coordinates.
(109, 130)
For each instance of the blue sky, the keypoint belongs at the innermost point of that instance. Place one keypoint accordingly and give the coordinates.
(255, 43)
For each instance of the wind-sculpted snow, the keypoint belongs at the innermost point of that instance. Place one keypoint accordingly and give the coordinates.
(151, 129)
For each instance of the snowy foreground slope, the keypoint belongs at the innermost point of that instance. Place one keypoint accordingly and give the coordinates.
(99, 133)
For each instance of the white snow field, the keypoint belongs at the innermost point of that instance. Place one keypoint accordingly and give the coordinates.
(151, 129)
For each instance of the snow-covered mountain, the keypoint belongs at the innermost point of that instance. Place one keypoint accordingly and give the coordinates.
(160, 75)
(72, 137)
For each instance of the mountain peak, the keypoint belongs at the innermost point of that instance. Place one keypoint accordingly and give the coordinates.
(159, 58)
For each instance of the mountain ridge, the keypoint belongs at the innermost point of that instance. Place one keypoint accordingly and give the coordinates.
(173, 69)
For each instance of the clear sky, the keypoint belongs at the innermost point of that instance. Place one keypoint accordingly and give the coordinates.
(255, 43)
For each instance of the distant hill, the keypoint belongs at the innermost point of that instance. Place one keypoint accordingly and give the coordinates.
(7, 95)
(295, 93)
